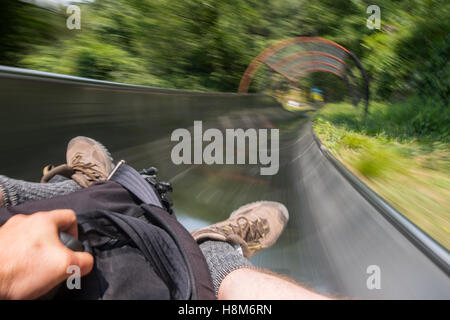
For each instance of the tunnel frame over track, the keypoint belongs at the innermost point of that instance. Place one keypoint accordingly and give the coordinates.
(294, 72)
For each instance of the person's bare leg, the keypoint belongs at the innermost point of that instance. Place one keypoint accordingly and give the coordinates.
(251, 284)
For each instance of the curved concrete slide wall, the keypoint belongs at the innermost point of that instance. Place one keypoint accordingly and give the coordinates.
(334, 233)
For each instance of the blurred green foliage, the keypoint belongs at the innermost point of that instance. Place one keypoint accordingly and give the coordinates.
(408, 169)
(23, 26)
(409, 119)
(207, 44)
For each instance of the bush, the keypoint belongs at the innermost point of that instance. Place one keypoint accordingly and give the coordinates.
(432, 120)
(377, 161)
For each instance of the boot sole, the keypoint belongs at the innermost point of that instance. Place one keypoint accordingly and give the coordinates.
(95, 142)
(277, 205)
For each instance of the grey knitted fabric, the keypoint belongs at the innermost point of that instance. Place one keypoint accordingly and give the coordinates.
(18, 191)
(222, 258)
(57, 178)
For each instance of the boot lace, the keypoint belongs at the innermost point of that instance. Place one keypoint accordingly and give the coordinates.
(86, 169)
(246, 229)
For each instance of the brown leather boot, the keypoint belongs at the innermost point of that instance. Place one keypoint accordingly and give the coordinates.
(88, 161)
(255, 226)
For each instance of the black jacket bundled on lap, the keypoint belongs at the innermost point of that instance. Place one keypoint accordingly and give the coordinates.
(140, 250)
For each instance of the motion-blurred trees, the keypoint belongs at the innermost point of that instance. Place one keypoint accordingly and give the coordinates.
(207, 44)
(23, 26)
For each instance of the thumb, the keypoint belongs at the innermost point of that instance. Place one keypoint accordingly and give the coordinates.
(85, 261)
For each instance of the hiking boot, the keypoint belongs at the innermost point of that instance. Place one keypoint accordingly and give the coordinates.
(255, 226)
(56, 174)
(88, 161)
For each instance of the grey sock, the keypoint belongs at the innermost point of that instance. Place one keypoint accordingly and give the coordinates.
(222, 258)
(57, 178)
(16, 192)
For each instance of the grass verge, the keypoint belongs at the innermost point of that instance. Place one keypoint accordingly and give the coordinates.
(409, 170)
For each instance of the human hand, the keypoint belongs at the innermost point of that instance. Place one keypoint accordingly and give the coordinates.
(33, 260)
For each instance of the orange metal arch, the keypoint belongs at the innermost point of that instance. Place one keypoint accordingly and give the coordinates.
(306, 71)
(314, 63)
(318, 69)
(294, 57)
(280, 73)
(270, 51)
